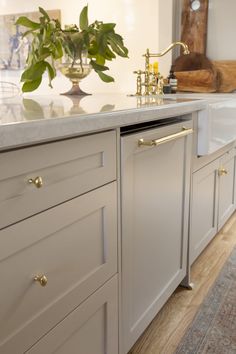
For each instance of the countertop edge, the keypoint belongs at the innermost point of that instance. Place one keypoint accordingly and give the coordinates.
(15, 135)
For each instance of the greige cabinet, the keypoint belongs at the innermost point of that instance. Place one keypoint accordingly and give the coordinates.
(155, 183)
(57, 171)
(90, 329)
(59, 265)
(204, 208)
(212, 201)
(226, 187)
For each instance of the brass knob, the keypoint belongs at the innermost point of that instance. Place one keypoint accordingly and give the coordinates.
(222, 172)
(37, 181)
(42, 279)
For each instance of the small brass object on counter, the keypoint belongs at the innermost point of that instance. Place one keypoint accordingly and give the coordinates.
(153, 82)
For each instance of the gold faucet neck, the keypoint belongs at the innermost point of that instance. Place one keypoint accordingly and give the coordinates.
(171, 46)
(153, 82)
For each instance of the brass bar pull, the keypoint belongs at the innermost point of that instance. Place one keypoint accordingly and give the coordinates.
(165, 139)
(38, 181)
(42, 279)
(222, 172)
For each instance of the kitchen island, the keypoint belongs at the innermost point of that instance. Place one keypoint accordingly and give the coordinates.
(74, 181)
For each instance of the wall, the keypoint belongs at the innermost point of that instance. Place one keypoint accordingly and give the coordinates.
(141, 23)
(166, 33)
(221, 30)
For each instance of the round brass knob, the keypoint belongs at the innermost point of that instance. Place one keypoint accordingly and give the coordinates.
(222, 171)
(37, 181)
(42, 279)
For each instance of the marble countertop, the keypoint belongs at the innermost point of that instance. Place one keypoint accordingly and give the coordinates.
(26, 120)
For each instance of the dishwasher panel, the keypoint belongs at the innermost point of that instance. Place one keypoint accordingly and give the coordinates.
(155, 182)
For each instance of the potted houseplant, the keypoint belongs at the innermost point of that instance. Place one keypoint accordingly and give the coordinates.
(85, 47)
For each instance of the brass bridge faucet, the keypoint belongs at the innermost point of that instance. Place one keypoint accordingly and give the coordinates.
(152, 85)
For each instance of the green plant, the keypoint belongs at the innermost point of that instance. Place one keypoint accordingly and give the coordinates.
(50, 43)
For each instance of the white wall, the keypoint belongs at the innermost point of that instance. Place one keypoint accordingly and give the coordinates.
(221, 30)
(165, 33)
(143, 24)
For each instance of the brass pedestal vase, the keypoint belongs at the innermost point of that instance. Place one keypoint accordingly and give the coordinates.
(75, 71)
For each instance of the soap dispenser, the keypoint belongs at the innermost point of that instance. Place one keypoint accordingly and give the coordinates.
(172, 79)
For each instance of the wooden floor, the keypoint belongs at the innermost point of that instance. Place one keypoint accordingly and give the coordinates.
(164, 333)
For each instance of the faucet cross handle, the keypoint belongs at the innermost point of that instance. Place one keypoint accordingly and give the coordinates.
(160, 86)
(139, 82)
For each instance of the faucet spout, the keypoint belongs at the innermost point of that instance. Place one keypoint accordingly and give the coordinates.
(171, 46)
(150, 78)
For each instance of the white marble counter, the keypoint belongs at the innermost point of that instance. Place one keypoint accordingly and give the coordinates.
(28, 120)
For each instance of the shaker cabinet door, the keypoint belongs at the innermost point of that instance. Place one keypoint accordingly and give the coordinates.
(72, 248)
(155, 205)
(92, 328)
(226, 187)
(204, 208)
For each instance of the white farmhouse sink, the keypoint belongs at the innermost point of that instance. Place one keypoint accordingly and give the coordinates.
(216, 124)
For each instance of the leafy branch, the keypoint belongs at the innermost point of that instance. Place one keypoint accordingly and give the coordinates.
(50, 43)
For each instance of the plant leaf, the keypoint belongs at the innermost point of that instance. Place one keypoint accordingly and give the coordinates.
(44, 53)
(116, 42)
(51, 73)
(30, 86)
(44, 13)
(100, 60)
(24, 21)
(109, 54)
(83, 19)
(93, 49)
(121, 51)
(107, 27)
(102, 43)
(34, 72)
(105, 77)
(26, 33)
(98, 67)
(59, 50)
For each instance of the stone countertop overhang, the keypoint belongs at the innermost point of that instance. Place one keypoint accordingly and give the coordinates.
(31, 119)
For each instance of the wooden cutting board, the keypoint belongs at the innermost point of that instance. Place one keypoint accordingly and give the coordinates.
(204, 81)
(192, 61)
(226, 70)
(196, 73)
(194, 26)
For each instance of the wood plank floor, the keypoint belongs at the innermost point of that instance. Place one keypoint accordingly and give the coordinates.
(165, 331)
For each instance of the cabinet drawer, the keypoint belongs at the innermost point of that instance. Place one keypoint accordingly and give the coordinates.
(74, 245)
(68, 168)
(90, 329)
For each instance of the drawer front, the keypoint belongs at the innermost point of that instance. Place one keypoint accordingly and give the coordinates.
(68, 168)
(74, 245)
(90, 329)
